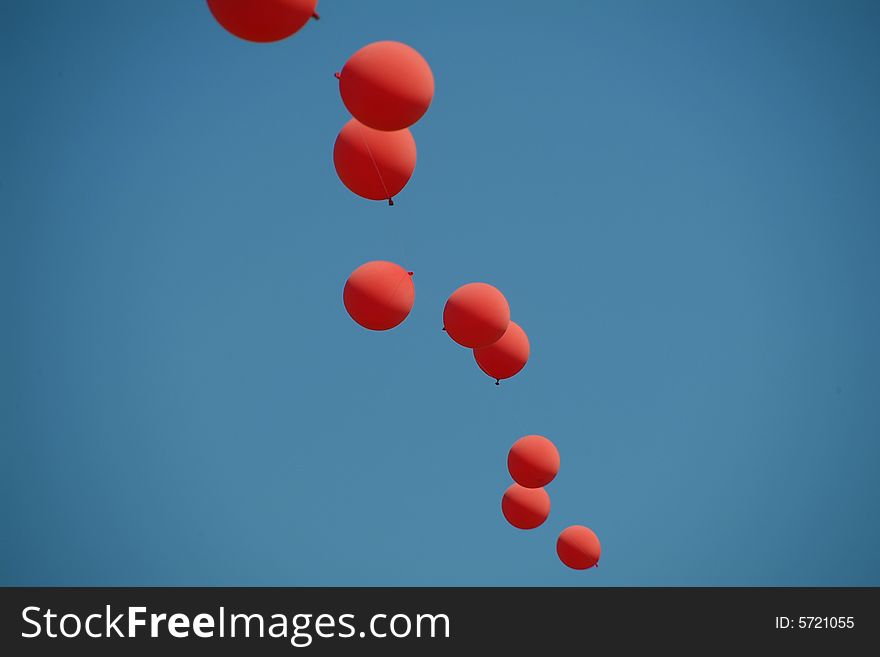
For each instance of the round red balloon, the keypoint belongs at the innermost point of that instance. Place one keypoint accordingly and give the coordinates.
(525, 508)
(578, 547)
(379, 295)
(476, 315)
(505, 357)
(386, 85)
(263, 20)
(373, 163)
(533, 461)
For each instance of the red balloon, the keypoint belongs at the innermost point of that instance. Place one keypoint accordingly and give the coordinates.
(476, 315)
(263, 20)
(533, 461)
(379, 295)
(374, 164)
(506, 357)
(525, 508)
(386, 85)
(578, 547)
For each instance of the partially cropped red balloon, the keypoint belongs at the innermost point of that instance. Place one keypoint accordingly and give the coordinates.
(374, 164)
(533, 461)
(379, 295)
(263, 20)
(505, 357)
(476, 315)
(525, 508)
(578, 547)
(386, 85)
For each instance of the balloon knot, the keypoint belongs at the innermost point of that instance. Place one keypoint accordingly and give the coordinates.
(443, 329)
(497, 382)
(390, 201)
(316, 16)
(410, 273)
(337, 75)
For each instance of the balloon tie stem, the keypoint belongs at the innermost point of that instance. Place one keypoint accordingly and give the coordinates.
(316, 16)
(497, 382)
(337, 75)
(390, 201)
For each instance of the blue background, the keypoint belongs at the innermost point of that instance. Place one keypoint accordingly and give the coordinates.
(679, 199)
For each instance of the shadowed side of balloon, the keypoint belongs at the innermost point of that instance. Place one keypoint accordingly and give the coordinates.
(263, 21)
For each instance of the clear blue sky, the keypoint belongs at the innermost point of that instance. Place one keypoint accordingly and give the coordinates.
(679, 199)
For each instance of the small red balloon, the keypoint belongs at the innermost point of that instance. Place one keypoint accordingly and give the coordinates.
(372, 163)
(505, 357)
(476, 315)
(525, 508)
(386, 85)
(578, 547)
(263, 20)
(379, 295)
(533, 461)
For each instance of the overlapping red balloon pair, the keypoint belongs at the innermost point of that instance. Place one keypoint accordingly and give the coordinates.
(386, 86)
(533, 462)
(477, 315)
